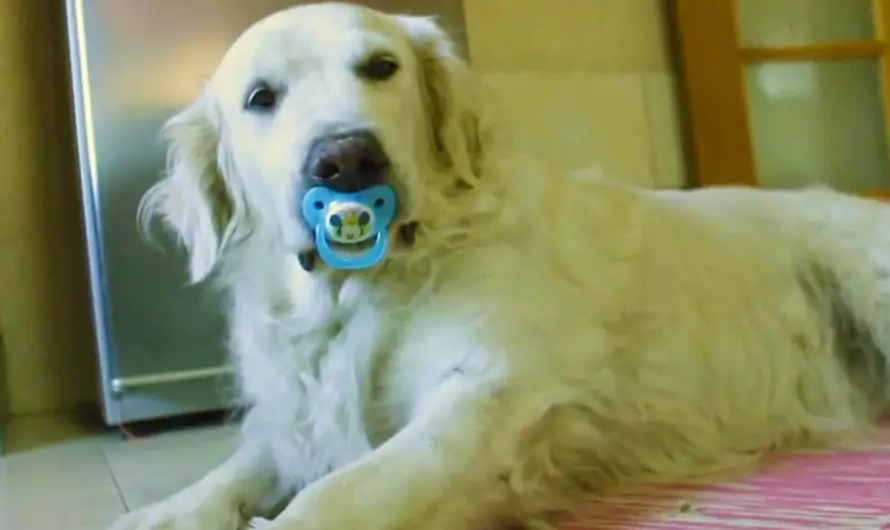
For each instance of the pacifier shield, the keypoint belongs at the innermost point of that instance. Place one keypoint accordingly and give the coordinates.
(350, 228)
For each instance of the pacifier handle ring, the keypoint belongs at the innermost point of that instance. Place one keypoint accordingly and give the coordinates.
(360, 261)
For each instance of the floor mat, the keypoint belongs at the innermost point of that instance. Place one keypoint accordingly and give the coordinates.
(840, 490)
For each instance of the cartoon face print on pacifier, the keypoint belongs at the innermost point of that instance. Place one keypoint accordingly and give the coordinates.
(350, 229)
(349, 223)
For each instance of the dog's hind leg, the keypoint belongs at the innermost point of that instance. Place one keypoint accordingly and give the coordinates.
(851, 239)
(872, 302)
(854, 300)
(877, 318)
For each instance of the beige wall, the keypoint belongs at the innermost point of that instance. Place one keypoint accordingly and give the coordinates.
(588, 81)
(43, 298)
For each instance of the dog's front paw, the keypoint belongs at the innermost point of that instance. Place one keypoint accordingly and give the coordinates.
(259, 523)
(183, 513)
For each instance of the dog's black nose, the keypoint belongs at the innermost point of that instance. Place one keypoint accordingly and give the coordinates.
(348, 161)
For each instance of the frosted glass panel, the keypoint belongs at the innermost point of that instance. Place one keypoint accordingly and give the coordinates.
(818, 122)
(792, 22)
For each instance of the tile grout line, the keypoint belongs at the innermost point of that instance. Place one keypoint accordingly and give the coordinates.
(120, 491)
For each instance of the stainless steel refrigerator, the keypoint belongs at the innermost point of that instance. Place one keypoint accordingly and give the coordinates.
(134, 63)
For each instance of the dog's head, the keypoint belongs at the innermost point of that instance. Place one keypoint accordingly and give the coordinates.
(320, 92)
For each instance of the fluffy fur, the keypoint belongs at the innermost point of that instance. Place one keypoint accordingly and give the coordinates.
(545, 336)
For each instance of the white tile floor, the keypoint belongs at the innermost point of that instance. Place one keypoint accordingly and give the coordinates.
(60, 478)
(64, 475)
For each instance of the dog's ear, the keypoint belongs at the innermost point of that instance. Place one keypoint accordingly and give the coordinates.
(451, 95)
(194, 198)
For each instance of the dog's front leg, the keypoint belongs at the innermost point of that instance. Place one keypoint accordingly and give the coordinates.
(448, 454)
(221, 500)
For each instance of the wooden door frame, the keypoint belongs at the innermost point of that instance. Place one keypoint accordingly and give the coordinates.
(708, 68)
(710, 65)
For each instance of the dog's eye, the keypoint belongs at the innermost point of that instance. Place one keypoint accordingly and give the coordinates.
(379, 68)
(261, 98)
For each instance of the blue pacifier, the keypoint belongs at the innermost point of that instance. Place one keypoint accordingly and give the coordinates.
(350, 228)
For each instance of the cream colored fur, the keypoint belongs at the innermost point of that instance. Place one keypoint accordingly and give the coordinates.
(546, 336)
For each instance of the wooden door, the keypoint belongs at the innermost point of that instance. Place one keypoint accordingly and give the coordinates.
(784, 93)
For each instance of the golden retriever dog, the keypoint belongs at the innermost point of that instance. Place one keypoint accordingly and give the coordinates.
(529, 337)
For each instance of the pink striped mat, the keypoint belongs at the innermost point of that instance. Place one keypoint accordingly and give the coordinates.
(840, 490)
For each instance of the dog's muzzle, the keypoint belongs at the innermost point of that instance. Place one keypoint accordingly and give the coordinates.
(348, 204)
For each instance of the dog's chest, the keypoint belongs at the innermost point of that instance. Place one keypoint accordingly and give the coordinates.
(313, 389)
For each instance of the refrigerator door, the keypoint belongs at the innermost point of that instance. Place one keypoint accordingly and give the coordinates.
(134, 64)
